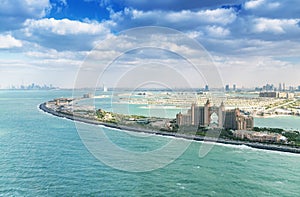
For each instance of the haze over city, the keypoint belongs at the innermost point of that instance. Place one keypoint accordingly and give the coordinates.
(250, 42)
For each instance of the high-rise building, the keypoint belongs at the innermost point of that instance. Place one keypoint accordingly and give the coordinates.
(201, 116)
(227, 88)
(268, 87)
(279, 87)
(283, 86)
(234, 120)
(234, 87)
(206, 88)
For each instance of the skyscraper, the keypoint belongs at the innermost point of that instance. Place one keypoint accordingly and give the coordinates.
(206, 88)
(279, 87)
(227, 88)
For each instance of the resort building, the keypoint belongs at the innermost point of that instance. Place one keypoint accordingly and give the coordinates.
(203, 116)
(259, 136)
(234, 120)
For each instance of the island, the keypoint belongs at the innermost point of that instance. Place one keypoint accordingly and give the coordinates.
(198, 124)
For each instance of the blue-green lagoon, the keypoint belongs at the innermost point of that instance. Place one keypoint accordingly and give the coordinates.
(43, 155)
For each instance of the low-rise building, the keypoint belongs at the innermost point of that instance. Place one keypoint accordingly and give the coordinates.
(259, 136)
(268, 94)
(62, 101)
(183, 119)
(88, 95)
(285, 95)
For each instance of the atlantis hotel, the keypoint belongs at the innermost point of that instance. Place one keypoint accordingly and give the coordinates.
(203, 116)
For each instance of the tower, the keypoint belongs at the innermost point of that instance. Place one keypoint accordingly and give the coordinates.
(206, 88)
(221, 114)
(227, 88)
(234, 87)
(207, 112)
(193, 113)
(280, 87)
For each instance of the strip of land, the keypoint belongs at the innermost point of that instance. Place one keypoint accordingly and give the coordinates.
(273, 147)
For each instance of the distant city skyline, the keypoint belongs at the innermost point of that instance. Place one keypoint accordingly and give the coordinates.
(227, 87)
(31, 86)
(251, 42)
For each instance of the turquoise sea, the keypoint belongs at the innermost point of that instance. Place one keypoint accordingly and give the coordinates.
(42, 155)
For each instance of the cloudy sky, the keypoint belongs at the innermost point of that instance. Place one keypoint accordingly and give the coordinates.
(251, 42)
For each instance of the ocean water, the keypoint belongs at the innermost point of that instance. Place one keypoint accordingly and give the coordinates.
(42, 155)
(284, 122)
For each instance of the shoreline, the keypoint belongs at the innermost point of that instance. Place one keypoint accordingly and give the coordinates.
(275, 116)
(257, 145)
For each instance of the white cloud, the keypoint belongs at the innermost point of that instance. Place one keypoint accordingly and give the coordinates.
(181, 20)
(264, 4)
(274, 5)
(64, 34)
(255, 70)
(272, 9)
(276, 26)
(65, 26)
(54, 54)
(194, 34)
(256, 36)
(218, 16)
(247, 47)
(174, 5)
(7, 41)
(14, 12)
(217, 31)
(253, 4)
(37, 8)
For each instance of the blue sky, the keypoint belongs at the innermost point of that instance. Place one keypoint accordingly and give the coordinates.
(252, 42)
